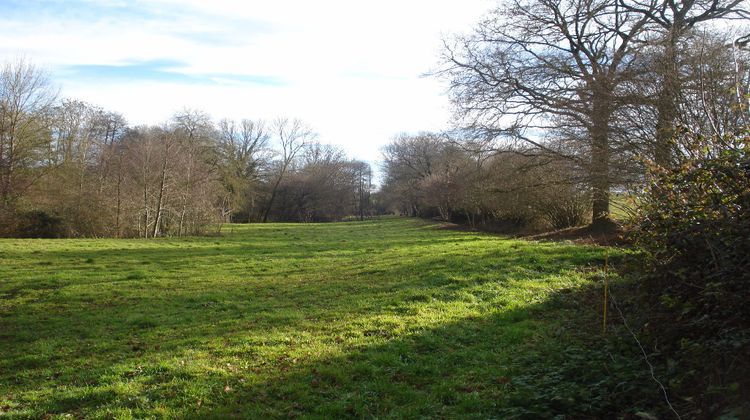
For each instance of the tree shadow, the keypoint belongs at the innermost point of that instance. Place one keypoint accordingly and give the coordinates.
(369, 335)
(536, 361)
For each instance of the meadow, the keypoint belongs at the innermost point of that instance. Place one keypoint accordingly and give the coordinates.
(381, 318)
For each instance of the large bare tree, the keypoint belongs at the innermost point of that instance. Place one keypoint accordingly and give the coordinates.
(550, 76)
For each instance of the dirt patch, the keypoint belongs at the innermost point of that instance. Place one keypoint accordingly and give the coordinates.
(609, 235)
(612, 235)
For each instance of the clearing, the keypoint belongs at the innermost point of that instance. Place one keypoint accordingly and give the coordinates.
(390, 317)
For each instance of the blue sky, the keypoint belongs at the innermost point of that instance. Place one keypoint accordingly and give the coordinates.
(155, 71)
(350, 69)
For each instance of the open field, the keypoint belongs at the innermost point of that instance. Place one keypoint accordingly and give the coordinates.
(392, 317)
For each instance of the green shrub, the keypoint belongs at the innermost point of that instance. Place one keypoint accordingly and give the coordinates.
(40, 224)
(693, 226)
(565, 209)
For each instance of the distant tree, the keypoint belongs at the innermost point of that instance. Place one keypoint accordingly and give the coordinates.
(243, 151)
(292, 136)
(408, 160)
(110, 127)
(26, 97)
(195, 134)
(363, 174)
(81, 137)
(178, 178)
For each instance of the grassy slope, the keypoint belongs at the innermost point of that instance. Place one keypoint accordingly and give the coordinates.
(381, 318)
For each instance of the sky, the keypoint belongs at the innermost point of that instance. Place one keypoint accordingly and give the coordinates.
(353, 70)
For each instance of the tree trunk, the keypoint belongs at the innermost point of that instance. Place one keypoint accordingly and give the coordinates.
(160, 198)
(361, 196)
(145, 206)
(119, 202)
(182, 219)
(600, 155)
(4, 170)
(185, 196)
(273, 195)
(666, 102)
(251, 209)
(6, 182)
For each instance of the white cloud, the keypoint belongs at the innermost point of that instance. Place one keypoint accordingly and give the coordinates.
(351, 69)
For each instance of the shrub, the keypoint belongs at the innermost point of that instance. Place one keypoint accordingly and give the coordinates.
(40, 224)
(564, 209)
(693, 226)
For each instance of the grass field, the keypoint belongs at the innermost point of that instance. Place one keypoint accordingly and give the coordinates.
(384, 318)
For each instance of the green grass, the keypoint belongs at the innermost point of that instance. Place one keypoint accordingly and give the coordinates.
(392, 317)
(622, 205)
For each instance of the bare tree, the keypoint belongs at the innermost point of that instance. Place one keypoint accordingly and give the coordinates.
(140, 151)
(175, 179)
(110, 126)
(544, 74)
(713, 98)
(194, 130)
(26, 96)
(363, 176)
(292, 136)
(407, 161)
(166, 138)
(322, 185)
(242, 151)
(670, 23)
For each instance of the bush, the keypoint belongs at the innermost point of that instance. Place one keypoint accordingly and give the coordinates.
(565, 209)
(40, 224)
(693, 226)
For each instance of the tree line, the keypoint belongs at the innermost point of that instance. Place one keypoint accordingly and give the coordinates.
(559, 104)
(72, 169)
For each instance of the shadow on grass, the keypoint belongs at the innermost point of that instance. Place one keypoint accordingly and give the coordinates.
(176, 302)
(535, 361)
(407, 329)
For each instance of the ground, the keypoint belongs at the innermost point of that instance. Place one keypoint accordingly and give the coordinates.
(382, 318)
